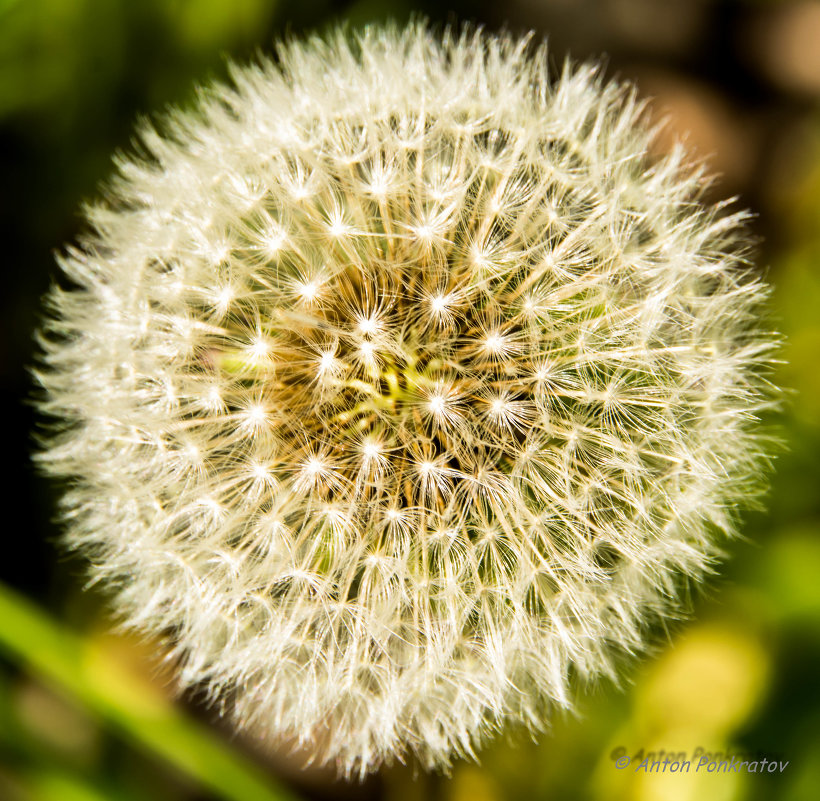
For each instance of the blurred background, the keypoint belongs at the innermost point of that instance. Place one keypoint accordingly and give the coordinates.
(87, 714)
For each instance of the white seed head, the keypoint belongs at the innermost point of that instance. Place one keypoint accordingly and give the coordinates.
(399, 384)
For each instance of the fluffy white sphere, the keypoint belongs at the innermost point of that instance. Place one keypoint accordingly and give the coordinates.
(400, 385)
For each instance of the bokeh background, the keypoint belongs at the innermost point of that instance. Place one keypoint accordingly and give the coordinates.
(87, 714)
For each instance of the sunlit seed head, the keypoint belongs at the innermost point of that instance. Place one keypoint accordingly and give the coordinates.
(307, 291)
(367, 356)
(254, 417)
(211, 505)
(259, 471)
(378, 187)
(480, 256)
(533, 308)
(375, 460)
(498, 406)
(500, 413)
(259, 349)
(368, 325)
(380, 183)
(212, 400)
(337, 227)
(328, 365)
(442, 403)
(442, 308)
(436, 404)
(223, 298)
(218, 252)
(542, 372)
(316, 472)
(439, 304)
(371, 450)
(497, 345)
(402, 386)
(300, 191)
(314, 467)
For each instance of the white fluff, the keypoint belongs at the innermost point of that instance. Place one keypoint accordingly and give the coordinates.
(399, 385)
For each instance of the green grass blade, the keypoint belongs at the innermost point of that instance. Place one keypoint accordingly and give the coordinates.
(65, 659)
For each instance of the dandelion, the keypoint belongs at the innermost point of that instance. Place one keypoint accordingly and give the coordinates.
(399, 387)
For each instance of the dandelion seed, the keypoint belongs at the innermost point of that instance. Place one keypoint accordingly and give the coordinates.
(369, 326)
(223, 299)
(254, 418)
(259, 349)
(443, 308)
(328, 365)
(406, 390)
(307, 291)
(438, 304)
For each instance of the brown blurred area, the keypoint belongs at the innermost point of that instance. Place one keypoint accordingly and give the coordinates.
(738, 82)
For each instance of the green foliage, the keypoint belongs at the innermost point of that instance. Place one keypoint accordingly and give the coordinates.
(90, 674)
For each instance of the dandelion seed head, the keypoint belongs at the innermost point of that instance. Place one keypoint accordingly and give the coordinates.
(401, 383)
